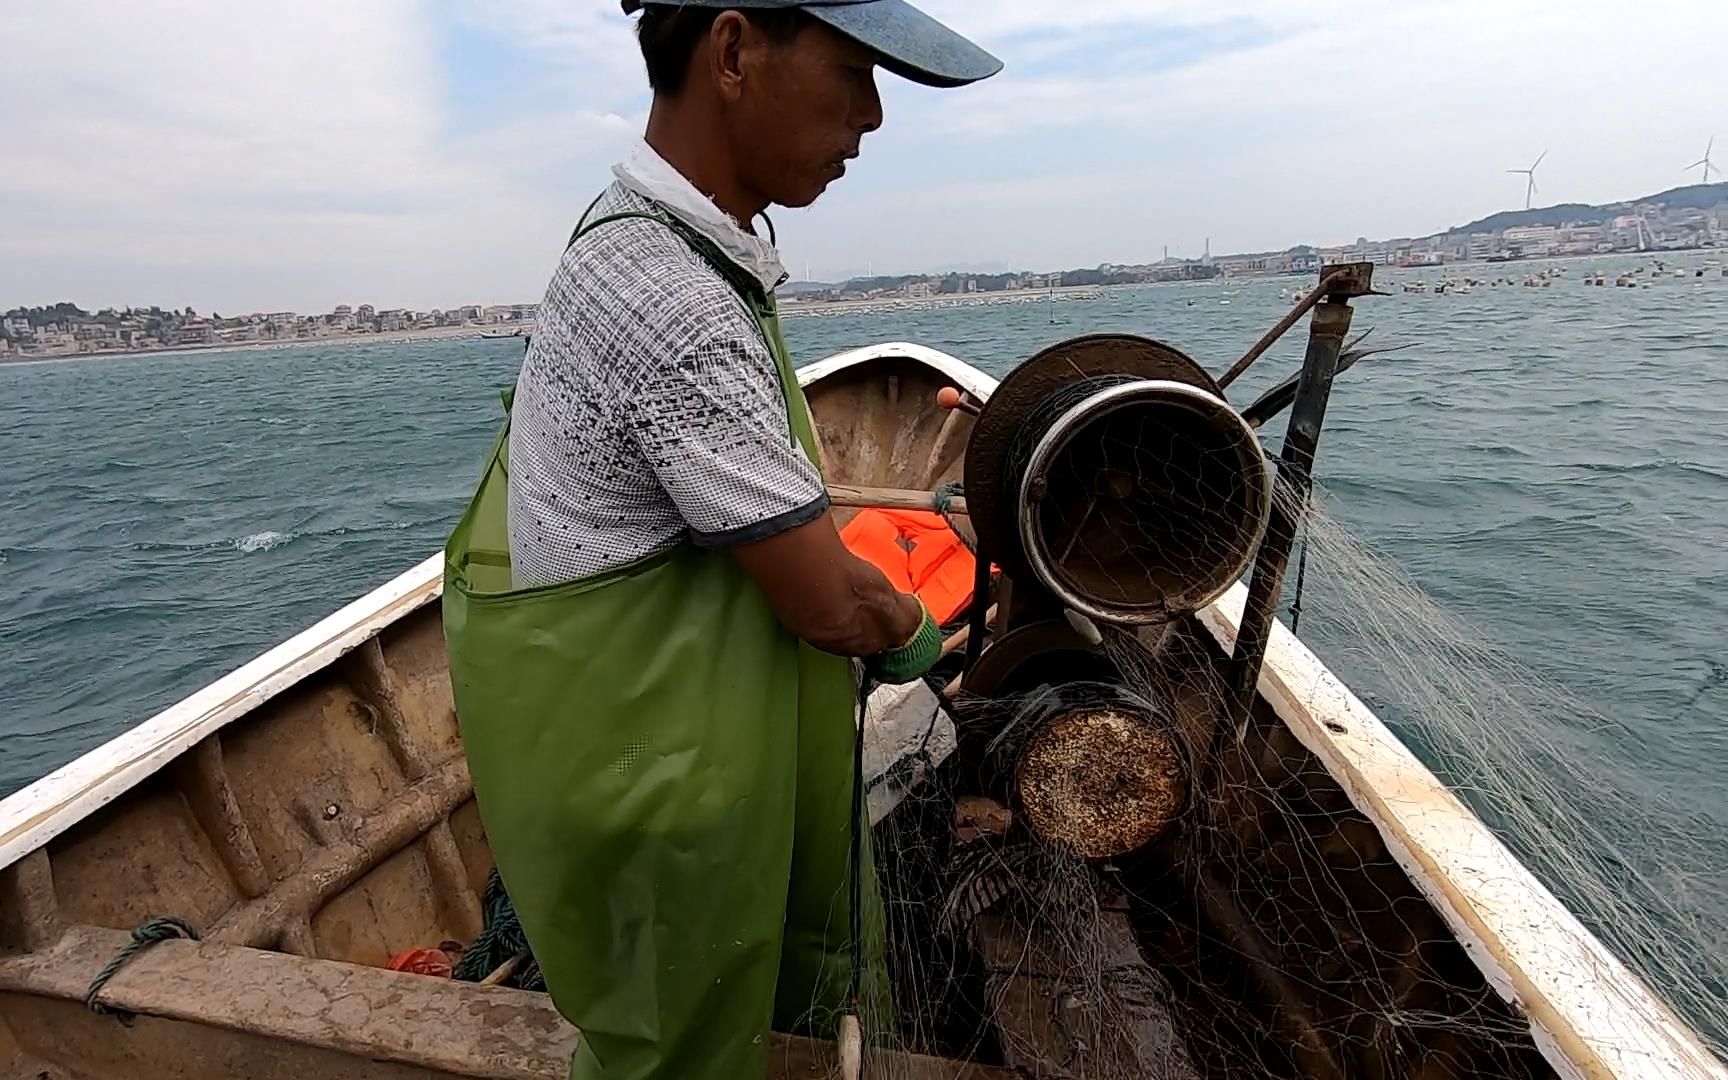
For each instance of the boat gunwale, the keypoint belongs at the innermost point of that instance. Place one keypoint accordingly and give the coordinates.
(1590, 1015)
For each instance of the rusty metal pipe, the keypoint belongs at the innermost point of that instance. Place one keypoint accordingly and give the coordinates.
(1330, 326)
(1302, 308)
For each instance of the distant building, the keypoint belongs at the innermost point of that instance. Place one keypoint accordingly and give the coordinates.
(343, 311)
(365, 313)
(95, 334)
(1531, 239)
(196, 332)
(1267, 263)
(18, 326)
(393, 319)
(1580, 239)
(52, 338)
(470, 312)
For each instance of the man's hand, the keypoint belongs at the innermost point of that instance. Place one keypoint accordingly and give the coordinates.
(828, 596)
(911, 661)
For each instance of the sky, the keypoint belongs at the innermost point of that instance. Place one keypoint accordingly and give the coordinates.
(239, 155)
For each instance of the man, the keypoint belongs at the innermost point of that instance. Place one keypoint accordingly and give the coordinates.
(649, 611)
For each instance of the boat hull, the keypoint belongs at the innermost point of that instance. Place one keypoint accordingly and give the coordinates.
(311, 813)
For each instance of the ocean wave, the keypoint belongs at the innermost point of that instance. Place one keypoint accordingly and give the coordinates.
(1543, 532)
(263, 541)
(1660, 464)
(1502, 450)
(271, 539)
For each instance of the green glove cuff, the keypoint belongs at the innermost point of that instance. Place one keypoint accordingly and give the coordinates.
(912, 660)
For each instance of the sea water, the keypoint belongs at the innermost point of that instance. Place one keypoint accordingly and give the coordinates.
(1550, 463)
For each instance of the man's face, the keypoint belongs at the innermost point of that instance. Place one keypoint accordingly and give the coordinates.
(803, 107)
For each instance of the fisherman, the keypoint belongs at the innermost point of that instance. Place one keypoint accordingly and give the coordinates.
(649, 611)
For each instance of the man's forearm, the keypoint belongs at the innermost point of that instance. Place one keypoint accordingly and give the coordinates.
(886, 616)
(828, 596)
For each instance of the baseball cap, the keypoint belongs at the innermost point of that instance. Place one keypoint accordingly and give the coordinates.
(910, 43)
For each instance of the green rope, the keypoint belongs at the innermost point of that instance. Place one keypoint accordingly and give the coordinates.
(500, 940)
(943, 501)
(147, 934)
(1301, 578)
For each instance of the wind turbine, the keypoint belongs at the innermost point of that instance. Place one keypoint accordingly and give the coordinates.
(1530, 173)
(1705, 161)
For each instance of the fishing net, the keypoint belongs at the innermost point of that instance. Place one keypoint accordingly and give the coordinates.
(1264, 928)
(1110, 865)
(1545, 769)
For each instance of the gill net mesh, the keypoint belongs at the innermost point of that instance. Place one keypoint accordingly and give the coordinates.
(1265, 929)
(1255, 925)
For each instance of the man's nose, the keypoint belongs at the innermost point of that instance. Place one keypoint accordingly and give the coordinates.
(867, 111)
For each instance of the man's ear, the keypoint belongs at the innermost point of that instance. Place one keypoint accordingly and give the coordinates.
(726, 54)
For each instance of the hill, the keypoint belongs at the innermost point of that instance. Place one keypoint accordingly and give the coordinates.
(1691, 196)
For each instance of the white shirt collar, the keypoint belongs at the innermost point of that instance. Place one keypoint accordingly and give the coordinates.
(653, 177)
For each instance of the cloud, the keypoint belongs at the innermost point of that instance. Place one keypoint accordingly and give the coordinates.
(1384, 121)
(248, 154)
(245, 154)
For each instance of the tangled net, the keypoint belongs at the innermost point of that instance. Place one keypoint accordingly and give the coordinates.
(1266, 929)
(1240, 917)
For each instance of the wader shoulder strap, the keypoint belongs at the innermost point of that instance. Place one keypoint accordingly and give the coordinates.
(760, 301)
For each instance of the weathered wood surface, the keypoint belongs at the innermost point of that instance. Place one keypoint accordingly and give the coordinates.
(246, 1012)
(1053, 1025)
(889, 498)
(47, 808)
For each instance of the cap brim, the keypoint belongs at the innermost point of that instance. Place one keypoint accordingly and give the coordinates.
(910, 43)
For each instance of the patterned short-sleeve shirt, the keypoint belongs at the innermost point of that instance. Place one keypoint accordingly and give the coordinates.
(648, 411)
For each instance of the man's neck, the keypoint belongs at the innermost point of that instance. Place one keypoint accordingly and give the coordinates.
(693, 146)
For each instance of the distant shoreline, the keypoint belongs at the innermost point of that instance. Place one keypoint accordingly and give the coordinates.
(793, 306)
(393, 337)
(799, 306)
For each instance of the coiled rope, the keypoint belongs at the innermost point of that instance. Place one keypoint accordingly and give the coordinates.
(145, 935)
(501, 939)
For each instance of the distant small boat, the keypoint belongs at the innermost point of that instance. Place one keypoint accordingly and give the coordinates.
(503, 332)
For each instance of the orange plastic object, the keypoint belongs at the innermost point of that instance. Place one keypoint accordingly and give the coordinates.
(433, 962)
(918, 553)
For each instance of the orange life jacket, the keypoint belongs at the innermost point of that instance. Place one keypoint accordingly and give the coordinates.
(919, 553)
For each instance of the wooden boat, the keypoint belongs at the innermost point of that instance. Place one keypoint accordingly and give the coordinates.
(312, 814)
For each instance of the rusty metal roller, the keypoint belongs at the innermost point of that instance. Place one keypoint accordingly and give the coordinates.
(1111, 469)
